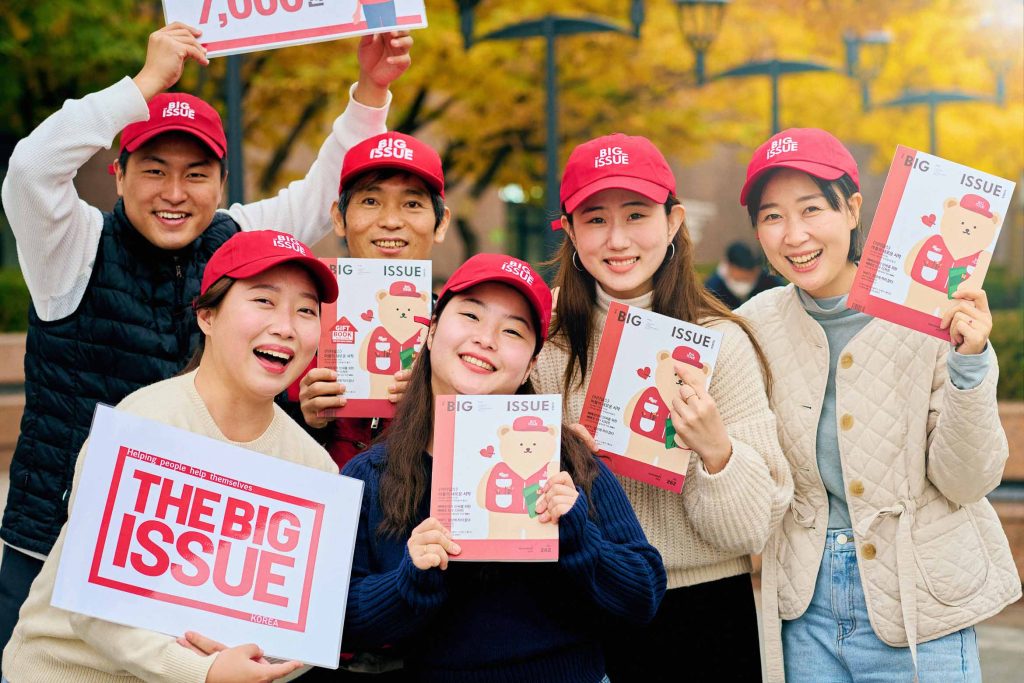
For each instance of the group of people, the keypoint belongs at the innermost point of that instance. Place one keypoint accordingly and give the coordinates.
(854, 454)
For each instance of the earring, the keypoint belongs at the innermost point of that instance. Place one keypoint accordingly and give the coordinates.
(673, 255)
(575, 261)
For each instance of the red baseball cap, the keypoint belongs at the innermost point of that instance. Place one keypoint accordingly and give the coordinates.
(250, 253)
(627, 162)
(810, 150)
(685, 354)
(403, 288)
(507, 270)
(394, 150)
(177, 111)
(977, 204)
(528, 423)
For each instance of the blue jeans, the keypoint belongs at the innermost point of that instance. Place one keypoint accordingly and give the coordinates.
(832, 642)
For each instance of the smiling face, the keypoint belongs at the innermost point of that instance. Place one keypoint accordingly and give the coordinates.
(390, 218)
(483, 342)
(171, 188)
(263, 334)
(803, 237)
(622, 238)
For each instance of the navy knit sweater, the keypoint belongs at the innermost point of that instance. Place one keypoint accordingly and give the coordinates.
(499, 622)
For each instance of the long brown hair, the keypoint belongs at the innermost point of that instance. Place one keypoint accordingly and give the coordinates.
(403, 483)
(677, 293)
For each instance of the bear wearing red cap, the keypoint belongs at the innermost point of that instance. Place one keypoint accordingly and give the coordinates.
(393, 344)
(509, 490)
(651, 434)
(939, 264)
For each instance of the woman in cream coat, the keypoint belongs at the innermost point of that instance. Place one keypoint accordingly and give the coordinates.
(889, 553)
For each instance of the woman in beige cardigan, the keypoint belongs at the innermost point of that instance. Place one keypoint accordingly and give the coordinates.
(890, 552)
(626, 241)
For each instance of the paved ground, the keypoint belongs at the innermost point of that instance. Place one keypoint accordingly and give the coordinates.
(1001, 638)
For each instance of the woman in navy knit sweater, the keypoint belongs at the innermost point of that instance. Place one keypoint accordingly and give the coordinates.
(491, 621)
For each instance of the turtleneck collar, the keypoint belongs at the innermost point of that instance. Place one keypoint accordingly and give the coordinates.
(825, 308)
(604, 300)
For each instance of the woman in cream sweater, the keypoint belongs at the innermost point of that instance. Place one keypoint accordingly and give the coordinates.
(259, 314)
(890, 552)
(625, 241)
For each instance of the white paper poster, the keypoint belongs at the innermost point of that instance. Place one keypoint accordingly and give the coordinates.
(233, 26)
(172, 531)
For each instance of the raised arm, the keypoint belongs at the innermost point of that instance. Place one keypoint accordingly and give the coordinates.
(304, 207)
(57, 233)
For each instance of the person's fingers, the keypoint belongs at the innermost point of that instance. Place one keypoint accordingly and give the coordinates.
(176, 25)
(587, 438)
(275, 671)
(204, 644)
(318, 375)
(976, 297)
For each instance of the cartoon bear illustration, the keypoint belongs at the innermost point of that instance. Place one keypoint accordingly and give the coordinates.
(392, 345)
(939, 264)
(509, 490)
(652, 436)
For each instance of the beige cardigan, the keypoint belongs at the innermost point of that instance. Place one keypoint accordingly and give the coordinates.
(918, 456)
(709, 531)
(53, 646)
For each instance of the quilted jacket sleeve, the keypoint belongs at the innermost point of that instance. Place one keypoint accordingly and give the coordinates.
(737, 508)
(967, 447)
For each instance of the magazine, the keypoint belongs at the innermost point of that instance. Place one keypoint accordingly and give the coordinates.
(492, 456)
(632, 385)
(375, 329)
(936, 225)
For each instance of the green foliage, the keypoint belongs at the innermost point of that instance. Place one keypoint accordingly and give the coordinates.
(1008, 340)
(1003, 289)
(14, 301)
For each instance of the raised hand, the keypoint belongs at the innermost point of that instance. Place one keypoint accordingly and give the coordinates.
(383, 57)
(166, 53)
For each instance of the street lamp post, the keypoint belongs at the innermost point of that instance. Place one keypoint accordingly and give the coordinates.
(700, 21)
(865, 58)
(233, 95)
(935, 98)
(550, 27)
(774, 69)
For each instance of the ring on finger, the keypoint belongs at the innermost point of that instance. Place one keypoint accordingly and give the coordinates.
(687, 397)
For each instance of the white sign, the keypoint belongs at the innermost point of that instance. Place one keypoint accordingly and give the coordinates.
(234, 26)
(173, 531)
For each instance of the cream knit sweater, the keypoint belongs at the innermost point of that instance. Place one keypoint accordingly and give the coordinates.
(709, 531)
(53, 646)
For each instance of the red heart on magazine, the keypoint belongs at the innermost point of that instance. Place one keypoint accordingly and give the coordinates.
(928, 220)
(487, 452)
(367, 316)
(644, 373)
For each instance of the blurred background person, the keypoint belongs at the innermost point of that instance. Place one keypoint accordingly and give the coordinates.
(740, 276)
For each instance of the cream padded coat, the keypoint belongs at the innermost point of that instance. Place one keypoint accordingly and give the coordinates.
(918, 457)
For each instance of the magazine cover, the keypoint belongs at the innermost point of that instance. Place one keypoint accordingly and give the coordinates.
(935, 228)
(492, 455)
(374, 330)
(633, 383)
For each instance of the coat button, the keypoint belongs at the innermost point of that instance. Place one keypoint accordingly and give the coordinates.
(845, 361)
(867, 551)
(846, 422)
(857, 487)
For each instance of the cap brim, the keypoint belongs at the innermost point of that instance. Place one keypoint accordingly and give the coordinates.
(142, 139)
(653, 191)
(401, 164)
(823, 171)
(326, 282)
